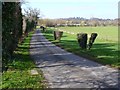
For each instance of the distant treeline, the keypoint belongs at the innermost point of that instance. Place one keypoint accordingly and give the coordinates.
(77, 21)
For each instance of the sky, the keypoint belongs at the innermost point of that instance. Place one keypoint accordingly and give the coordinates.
(75, 8)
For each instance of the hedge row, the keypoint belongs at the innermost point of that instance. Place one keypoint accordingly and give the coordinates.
(12, 29)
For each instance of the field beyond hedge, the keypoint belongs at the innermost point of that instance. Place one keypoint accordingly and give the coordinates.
(105, 48)
(104, 33)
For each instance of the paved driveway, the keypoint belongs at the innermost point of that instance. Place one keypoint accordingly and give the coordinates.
(63, 69)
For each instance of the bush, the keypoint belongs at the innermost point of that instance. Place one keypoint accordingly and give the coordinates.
(11, 29)
(82, 40)
(92, 39)
(58, 35)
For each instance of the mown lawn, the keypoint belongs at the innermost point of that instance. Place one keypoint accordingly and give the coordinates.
(104, 50)
(104, 33)
(18, 74)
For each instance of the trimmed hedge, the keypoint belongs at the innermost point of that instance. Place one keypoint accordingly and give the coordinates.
(12, 29)
(58, 35)
(82, 40)
(92, 39)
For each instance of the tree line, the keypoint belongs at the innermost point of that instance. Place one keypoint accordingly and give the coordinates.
(77, 21)
(15, 28)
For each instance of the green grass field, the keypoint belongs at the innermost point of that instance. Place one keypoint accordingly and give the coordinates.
(18, 74)
(104, 33)
(104, 50)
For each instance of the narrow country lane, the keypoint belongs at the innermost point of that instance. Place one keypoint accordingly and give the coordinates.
(66, 70)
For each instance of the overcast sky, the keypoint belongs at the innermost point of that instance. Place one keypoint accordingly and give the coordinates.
(75, 8)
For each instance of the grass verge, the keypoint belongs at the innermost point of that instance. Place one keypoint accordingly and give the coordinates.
(103, 52)
(19, 74)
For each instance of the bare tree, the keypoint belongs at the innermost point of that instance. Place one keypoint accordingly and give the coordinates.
(32, 13)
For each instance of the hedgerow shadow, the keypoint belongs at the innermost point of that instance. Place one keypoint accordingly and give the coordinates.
(101, 52)
(21, 59)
